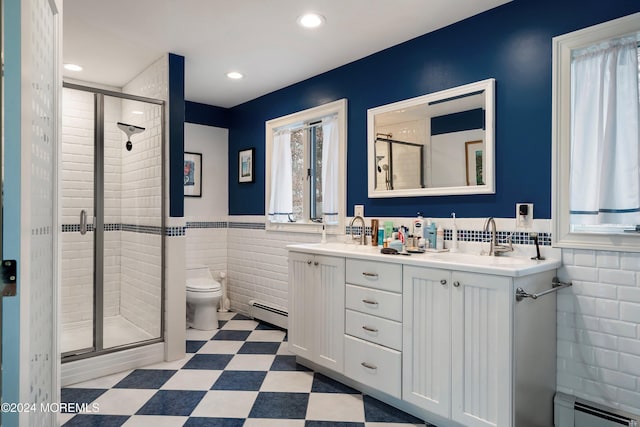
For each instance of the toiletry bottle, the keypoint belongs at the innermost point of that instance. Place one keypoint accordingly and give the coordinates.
(388, 229)
(380, 236)
(431, 234)
(454, 234)
(418, 226)
(440, 239)
(374, 232)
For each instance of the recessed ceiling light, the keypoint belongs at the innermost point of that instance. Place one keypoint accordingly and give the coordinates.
(72, 67)
(234, 75)
(311, 20)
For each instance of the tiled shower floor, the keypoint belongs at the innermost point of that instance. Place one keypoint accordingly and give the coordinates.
(240, 375)
(117, 331)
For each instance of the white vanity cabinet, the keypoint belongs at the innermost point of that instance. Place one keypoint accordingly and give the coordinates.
(316, 308)
(441, 336)
(466, 356)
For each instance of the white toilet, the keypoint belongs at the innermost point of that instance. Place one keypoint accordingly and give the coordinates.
(203, 298)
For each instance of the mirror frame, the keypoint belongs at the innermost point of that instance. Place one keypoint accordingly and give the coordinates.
(561, 235)
(488, 86)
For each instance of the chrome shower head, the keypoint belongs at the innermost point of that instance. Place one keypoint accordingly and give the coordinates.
(129, 130)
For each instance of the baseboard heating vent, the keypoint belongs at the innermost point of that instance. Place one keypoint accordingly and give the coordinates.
(269, 313)
(570, 411)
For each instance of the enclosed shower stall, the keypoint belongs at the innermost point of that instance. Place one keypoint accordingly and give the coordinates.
(112, 213)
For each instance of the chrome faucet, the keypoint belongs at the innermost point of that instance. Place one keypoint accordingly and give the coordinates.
(363, 229)
(494, 247)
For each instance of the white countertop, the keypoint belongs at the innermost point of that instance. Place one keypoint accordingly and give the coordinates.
(503, 265)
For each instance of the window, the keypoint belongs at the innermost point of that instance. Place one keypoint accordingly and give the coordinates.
(596, 137)
(305, 170)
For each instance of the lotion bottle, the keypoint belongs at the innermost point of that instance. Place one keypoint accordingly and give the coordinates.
(440, 239)
(418, 226)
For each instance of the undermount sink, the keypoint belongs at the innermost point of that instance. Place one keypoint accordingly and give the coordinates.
(466, 258)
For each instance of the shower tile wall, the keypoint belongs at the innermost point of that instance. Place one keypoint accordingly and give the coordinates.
(142, 202)
(408, 175)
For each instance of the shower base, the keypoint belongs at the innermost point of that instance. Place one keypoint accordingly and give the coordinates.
(117, 331)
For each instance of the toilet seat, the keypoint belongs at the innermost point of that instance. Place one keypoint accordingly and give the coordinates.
(203, 285)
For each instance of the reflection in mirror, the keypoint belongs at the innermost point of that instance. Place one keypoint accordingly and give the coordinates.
(597, 136)
(436, 144)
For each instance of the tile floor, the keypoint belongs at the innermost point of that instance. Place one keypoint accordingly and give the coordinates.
(240, 375)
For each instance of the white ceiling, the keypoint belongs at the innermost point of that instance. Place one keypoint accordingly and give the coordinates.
(114, 40)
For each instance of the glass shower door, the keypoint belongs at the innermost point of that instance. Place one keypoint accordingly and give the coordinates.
(112, 268)
(132, 267)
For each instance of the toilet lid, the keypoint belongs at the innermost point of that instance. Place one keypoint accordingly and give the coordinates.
(202, 285)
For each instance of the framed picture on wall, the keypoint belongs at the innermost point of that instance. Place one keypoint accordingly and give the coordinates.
(246, 165)
(474, 154)
(192, 174)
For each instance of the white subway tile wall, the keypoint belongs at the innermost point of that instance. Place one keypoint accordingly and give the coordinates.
(599, 328)
(206, 244)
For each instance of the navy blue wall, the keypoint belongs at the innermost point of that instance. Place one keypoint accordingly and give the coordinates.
(511, 43)
(203, 114)
(176, 135)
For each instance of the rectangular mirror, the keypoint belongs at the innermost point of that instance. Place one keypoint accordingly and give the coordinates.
(432, 145)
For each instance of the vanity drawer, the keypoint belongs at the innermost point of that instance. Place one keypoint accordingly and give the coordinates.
(373, 365)
(379, 275)
(375, 302)
(375, 329)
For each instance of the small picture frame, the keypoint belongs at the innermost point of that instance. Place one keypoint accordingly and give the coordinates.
(192, 174)
(246, 165)
(474, 158)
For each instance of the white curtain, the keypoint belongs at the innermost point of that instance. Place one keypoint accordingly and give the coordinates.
(605, 156)
(281, 200)
(330, 170)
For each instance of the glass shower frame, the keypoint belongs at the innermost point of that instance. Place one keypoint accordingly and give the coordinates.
(99, 224)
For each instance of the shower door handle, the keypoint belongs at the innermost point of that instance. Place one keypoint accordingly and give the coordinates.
(83, 222)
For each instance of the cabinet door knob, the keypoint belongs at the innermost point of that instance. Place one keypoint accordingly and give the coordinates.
(315, 263)
(443, 281)
(456, 283)
(309, 262)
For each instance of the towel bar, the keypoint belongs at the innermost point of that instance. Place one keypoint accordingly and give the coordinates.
(556, 286)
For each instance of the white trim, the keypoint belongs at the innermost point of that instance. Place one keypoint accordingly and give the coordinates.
(489, 187)
(336, 107)
(563, 45)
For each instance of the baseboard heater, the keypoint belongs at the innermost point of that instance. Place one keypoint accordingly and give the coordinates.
(269, 313)
(571, 411)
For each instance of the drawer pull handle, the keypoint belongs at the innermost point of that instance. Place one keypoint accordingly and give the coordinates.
(370, 302)
(369, 366)
(369, 328)
(364, 273)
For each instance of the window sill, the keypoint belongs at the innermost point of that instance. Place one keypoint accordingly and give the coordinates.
(301, 227)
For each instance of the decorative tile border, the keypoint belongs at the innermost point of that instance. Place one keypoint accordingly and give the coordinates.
(517, 237)
(207, 224)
